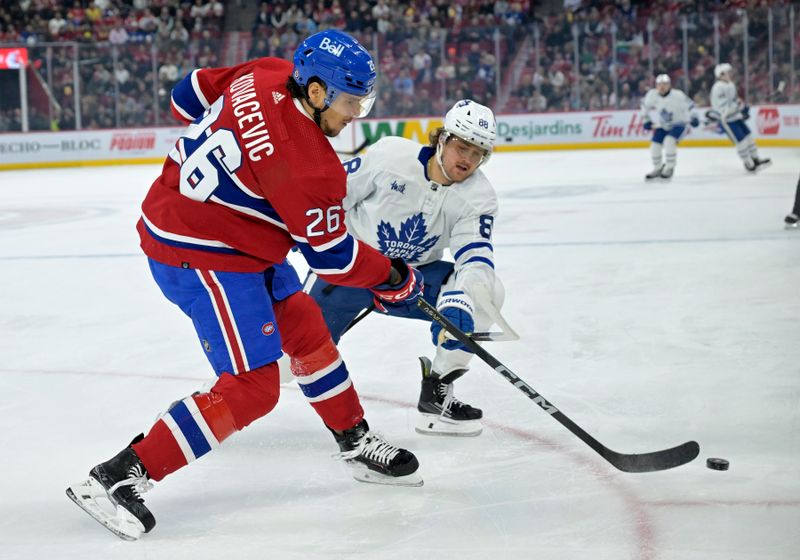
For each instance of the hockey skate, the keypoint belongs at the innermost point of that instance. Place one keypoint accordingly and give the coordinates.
(792, 221)
(762, 163)
(655, 173)
(441, 414)
(374, 460)
(111, 495)
(666, 172)
(750, 165)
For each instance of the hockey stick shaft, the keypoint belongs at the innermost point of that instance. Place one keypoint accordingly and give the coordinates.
(477, 336)
(645, 462)
(359, 318)
(354, 151)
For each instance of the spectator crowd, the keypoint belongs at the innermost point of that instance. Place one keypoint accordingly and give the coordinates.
(592, 54)
(121, 48)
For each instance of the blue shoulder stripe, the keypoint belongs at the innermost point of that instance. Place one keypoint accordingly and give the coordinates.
(184, 96)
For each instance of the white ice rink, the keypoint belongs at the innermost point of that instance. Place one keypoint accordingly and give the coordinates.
(651, 314)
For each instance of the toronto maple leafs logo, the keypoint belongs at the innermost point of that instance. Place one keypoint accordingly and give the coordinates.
(409, 243)
(666, 116)
(399, 188)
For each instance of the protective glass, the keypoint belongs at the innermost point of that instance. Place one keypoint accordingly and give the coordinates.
(351, 105)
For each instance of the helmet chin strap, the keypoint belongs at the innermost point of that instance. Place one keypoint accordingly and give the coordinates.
(317, 112)
(439, 150)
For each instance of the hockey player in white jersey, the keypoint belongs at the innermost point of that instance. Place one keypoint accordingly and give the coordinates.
(730, 113)
(412, 202)
(667, 112)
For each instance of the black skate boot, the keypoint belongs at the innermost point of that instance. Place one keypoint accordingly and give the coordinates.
(666, 172)
(792, 221)
(655, 173)
(440, 412)
(761, 163)
(372, 459)
(119, 480)
(750, 165)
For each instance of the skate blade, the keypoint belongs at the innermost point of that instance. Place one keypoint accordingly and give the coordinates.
(362, 474)
(122, 523)
(792, 226)
(435, 425)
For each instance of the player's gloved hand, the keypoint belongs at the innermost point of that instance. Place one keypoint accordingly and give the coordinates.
(402, 290)
(746, 112)
(648, 125)
(695, 122)
(456, 307)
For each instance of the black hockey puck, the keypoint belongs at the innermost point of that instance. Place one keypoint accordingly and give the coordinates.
(717, 464)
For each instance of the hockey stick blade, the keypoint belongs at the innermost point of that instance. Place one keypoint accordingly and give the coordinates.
(494, 336)
(633, 463)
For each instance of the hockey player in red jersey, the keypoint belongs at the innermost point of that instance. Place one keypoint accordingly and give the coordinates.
(252, 177)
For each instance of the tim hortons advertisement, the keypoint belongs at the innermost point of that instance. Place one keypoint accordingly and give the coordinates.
(772, 125)
(13, 59)
(777, 123)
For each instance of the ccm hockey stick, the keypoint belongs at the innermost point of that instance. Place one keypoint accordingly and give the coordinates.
(506, 335)
(634, 463)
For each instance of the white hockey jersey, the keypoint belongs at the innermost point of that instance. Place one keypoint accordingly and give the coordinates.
(725, 100)
(666, 111)
(392, 205)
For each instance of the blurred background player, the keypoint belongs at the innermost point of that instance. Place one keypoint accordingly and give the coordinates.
(253, 176)
(672, 109)
(731, 113)
(413, 202)
(791, 221)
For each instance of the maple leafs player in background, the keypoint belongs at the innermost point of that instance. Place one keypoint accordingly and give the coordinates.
(413, 202)
(253, 176)
(792, 221)
(731, 112)
(672, 109)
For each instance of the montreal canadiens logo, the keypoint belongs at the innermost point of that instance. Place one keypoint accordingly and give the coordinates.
(268, 328)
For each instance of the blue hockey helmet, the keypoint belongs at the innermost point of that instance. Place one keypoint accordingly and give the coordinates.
(343, 65)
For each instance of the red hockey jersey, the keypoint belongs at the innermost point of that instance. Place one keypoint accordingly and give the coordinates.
(250, 178)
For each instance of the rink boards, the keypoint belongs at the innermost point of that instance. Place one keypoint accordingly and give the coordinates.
(772, 125)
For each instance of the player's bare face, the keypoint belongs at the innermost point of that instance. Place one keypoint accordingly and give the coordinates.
(663, 88)
(332, 122)
(460, 159)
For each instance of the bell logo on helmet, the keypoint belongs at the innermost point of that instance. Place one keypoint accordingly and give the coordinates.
(332, 48)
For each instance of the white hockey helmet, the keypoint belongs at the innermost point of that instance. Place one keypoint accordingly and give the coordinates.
(663, 79)
(723, 68)
(473, 123)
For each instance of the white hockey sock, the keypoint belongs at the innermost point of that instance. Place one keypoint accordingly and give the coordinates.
(743, 149)
(670, 151)
(752, 150)
(655, 153)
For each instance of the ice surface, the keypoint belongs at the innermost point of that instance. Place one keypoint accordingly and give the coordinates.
(649, 313)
